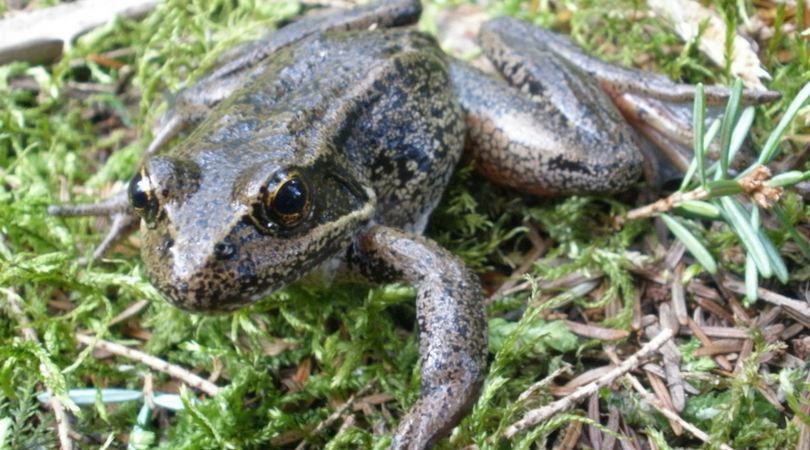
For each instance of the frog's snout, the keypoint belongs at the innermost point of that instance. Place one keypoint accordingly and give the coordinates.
(196, 292)
(212, 279)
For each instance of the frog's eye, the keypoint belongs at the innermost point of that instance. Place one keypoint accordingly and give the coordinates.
(290, 198)
(142, 196)
(288, 201)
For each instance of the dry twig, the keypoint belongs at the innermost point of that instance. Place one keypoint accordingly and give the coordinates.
(62, 423)
(657, 404)
(538, 415)
(753, 186)
(153, 362)
(339, 411)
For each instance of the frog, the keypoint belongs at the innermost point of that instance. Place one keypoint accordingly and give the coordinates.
(323, 147)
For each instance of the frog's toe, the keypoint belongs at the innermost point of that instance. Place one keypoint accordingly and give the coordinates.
(125, 221)
(434, 415)
(118, 203)
(124, 224)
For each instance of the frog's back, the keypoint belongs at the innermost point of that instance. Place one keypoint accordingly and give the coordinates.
(377, 105)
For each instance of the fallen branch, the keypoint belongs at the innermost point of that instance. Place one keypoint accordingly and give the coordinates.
(63, 429)
(40, 35)
(657, 404)
(538, 415)
(153, 362)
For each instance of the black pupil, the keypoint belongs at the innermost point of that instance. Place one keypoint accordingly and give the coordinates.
(138, 198)
(290, 198)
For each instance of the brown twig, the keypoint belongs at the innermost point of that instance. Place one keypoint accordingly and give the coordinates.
(706, 341)
(657, 404)
(595, 331)
(753, 185)
(678, 295)
(538, 415)
(671, 357)
(63, 429)
(667, 204)
(339, 412)
(614, 417)
(663, 396)
(798, 309)
(153, 362)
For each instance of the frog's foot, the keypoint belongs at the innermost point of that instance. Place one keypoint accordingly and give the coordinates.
(668, 125)
(428, 419)
(174, 124)
(452, 326)
(125, 221)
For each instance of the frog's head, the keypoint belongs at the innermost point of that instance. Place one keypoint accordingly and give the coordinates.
(218, 239)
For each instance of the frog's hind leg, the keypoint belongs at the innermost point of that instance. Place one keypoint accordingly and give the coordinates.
(547, 65)
(518, 139)
(551, 129)
(452, 327)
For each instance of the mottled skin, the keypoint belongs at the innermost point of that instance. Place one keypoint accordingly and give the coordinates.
(452, 327)
(377, 140)
(321, 148)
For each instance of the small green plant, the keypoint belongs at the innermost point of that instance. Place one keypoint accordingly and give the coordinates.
(709, 191)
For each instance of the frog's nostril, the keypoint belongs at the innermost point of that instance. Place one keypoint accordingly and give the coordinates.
(167, 244)
(224, 250)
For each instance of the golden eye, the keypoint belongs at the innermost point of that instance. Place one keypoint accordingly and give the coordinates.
(289, 203)
(141, 195)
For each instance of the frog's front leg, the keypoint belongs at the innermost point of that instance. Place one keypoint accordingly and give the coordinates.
(452, 327)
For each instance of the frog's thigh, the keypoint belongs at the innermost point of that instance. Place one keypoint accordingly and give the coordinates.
(535, 147)
(452, 326)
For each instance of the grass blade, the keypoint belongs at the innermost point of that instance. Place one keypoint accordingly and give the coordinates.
(691, 243)
(788, 178)
(690, 173)
(780, 213)
(723, 188)
(707, 140)
(698, 130)
(699, 209)
(740, 133)
(751, 279)
(729, 123)
(740, 221)
(769, 150)
(777, 264)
